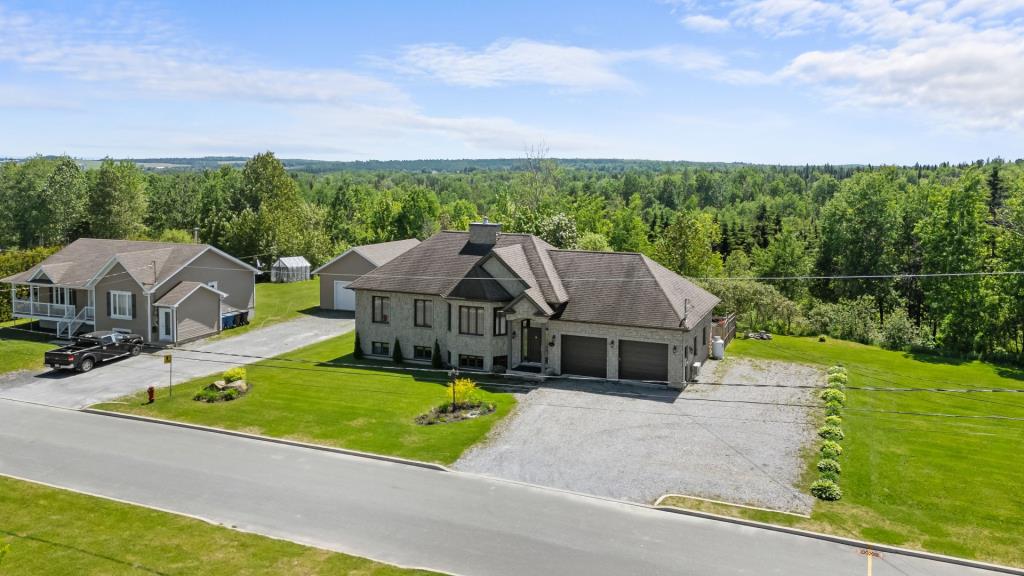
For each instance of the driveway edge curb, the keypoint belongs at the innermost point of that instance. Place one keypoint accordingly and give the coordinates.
(286, 442)
(845, 541)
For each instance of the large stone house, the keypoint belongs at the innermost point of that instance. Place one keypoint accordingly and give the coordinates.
(165, 292)
(511, 302)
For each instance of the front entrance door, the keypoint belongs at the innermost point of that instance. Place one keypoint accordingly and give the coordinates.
(533, 340)
(166, 328)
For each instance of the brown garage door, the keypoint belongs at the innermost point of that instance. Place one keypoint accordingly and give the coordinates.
(643, 360)
(584, 356)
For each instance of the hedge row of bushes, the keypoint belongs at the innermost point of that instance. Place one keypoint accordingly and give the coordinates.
(826, 487)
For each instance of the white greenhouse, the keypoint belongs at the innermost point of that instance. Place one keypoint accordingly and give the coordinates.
(290, 269)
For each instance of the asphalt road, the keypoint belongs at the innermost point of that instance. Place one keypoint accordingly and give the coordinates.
(447, 521)
(122, 377)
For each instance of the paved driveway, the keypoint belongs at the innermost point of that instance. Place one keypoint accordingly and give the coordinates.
(730, 443)
(110, 381)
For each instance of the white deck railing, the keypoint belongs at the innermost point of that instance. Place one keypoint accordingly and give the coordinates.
(47, 310)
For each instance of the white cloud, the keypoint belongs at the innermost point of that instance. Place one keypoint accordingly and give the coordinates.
(529, 62)
(705, 23)
(144, 58)
(957, 64)
(137, 56)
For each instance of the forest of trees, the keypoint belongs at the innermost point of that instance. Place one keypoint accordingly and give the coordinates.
(742, 231)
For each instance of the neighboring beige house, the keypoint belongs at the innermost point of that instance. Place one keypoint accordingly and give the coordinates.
(165, 292)
(336, 275)
(512, 302)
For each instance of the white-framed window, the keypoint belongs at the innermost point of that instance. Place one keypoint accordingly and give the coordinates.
(120, 305)
(57, 296)
(380, 349)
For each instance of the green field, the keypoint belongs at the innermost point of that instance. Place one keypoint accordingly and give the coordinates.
(50, 531)
(366, 410)
(280, 302)
(21, 350)
(947, 485)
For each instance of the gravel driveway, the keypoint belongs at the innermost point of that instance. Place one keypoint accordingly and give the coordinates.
(731, 443)
(121, 377)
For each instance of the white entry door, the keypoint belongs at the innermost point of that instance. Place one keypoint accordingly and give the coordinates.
(344, 299)
(166, 328)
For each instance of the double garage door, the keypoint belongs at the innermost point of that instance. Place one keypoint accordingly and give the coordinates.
(588, 356)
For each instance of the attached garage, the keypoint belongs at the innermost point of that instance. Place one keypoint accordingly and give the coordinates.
(584, 356)
(643, 360)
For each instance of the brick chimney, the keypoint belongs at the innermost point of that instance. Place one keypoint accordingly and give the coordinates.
(485, 232)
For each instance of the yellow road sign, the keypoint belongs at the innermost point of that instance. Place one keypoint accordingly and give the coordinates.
(167, 359)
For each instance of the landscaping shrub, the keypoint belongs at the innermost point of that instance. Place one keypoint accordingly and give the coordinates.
(206, 396)
(826, 489)
(836, 370)
(898, 332)
(833, 408)
(829, 466)
(396, 352)
(463, 392)
(831, 449)
(234, 374)
(836, 386)
(435, 357)
(839, 377)
(831, 432)
(357, 352)
(833, 420)
(831, 395)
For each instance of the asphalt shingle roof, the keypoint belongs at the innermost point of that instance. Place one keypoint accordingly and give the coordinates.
(616, 288)
(77, 263)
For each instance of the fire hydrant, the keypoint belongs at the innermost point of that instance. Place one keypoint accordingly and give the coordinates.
(151, 392)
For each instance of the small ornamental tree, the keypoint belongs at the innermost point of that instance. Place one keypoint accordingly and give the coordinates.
(833, 421)
(435, 356)
(357, 352)
(396, 352)
(833, 408)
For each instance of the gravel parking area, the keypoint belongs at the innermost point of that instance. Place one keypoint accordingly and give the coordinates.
(738, 444)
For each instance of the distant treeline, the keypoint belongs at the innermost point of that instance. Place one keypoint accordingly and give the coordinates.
(721, 224)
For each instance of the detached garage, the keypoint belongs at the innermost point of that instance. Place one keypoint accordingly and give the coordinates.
(336, 275)
(643, 360)
(584, 356)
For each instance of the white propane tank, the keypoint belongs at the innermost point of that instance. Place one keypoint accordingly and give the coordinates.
(717, 348)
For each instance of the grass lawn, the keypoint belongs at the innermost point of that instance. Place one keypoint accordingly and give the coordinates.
(51, 531)
(368, 410)
(21, 350)
(279, 302)
(947, 485)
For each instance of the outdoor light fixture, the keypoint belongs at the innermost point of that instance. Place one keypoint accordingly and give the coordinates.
(611, 343)
(513, 334)
(675, 349)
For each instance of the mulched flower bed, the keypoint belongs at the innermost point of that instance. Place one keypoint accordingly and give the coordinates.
(446, 413)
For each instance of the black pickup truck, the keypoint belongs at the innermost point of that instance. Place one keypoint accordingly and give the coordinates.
(92, 348)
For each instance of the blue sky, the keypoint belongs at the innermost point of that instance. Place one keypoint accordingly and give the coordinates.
(777, 81)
